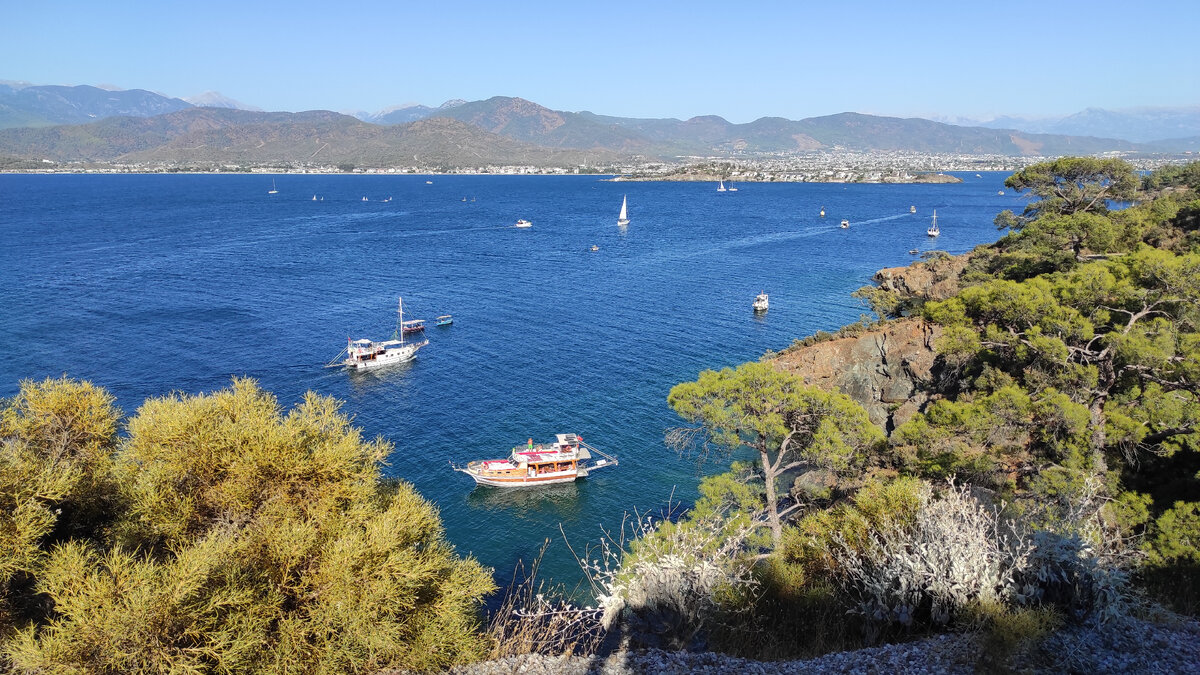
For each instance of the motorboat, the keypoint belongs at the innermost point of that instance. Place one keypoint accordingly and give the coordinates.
(565, 460)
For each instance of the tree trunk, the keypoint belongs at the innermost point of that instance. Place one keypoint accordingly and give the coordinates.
(772, 499)
(1099, 438)
(1107, 380)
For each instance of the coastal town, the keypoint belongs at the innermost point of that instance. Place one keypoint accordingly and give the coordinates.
(828, 166)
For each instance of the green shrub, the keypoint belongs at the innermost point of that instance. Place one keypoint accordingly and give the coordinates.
(247, 540)
(1009, 634)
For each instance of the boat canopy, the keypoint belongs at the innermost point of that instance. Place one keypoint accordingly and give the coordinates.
(361, 342)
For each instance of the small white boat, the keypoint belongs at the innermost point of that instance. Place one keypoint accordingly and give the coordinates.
(1001, 193)
(822, 211)
(721, 186)
(314, 198)
(761, 304)
(365, 199)
(368, 354)
(933, 230)
(429, 182)
(272, 191)
(523, 223)
(563, 461)
(845, 224)
(623, 217)
(731, 188)
(912, 209)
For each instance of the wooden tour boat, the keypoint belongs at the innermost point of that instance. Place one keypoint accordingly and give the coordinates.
(563, 461)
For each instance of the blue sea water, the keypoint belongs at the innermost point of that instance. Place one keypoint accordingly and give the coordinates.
(147, 284)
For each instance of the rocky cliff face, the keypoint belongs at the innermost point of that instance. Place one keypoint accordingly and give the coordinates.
(934, 279)
(888, 370)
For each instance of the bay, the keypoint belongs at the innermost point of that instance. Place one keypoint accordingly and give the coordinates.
(148, 284)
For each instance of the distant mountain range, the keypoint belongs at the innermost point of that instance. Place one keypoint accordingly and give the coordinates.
(1140, 125)
(93, 124)
(214, 99)
(216, 136)
(41, 106)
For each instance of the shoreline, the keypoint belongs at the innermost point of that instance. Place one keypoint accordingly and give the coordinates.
(928, 179)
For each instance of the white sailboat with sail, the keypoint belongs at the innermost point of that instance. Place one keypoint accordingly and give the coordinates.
(721, 185)
(623, 218)
(933, 230)
(272, 191)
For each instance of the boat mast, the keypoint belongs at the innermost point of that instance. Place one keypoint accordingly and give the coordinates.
(400, 317)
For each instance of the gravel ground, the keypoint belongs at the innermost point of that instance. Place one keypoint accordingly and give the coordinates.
(1134, 646)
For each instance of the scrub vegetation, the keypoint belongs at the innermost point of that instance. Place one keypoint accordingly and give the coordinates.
(218, 533)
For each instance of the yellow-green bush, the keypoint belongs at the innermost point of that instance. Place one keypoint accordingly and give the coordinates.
(242, 539)
(56, 444)
(1007, 632)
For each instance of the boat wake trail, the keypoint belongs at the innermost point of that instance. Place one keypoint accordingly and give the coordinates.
(884, 219)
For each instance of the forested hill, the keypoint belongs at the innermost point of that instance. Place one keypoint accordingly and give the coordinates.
(1027, 462)
(200, 136)
(506, 130)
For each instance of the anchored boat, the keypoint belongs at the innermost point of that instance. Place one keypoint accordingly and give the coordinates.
(761, 303)
(563, 461)
(364, 354)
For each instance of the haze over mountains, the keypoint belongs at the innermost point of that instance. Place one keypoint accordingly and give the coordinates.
(141, 126)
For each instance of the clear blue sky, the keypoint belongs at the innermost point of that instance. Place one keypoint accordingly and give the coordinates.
(740, 60)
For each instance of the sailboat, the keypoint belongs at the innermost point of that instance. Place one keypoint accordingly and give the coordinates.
(822, 211)
(933, 230)
(623, 218)
(364, 354)
(721, 186)
(272, 191)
